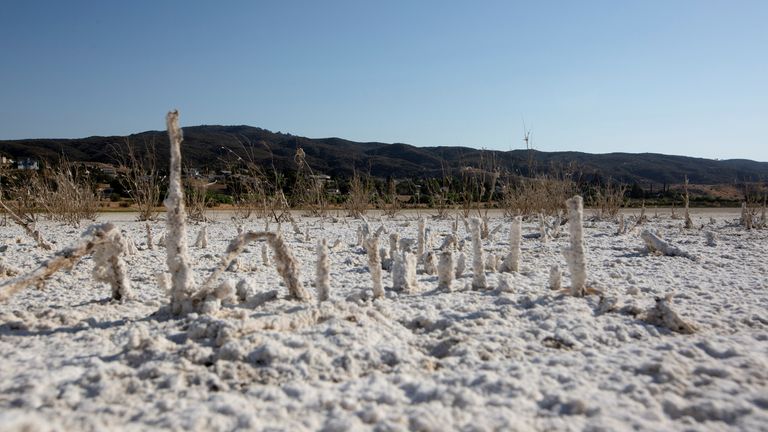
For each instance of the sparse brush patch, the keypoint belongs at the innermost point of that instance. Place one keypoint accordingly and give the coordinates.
(522, 196)
(28, 226)
(67, 194)
(140, 176)
(608, 200)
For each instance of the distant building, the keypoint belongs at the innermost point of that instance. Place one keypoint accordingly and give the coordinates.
(28, 164)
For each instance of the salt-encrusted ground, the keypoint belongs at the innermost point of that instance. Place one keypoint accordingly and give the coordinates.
(520, 359)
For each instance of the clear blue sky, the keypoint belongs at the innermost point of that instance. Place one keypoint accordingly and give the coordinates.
(685, 77)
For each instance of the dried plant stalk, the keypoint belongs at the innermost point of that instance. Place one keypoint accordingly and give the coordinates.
(286, 264)
(28, 228)
(662, 315)
(322, 272)
(374, 265)
(150, 240)
(656, 245)
(421, 238)
(445, 271)
(555, 278)
(686, 199)
(104, 241)
(177, 256)
(512, 260)
(202, 238)
(478, 258)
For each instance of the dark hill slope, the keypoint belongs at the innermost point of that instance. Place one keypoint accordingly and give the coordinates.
(217, 147)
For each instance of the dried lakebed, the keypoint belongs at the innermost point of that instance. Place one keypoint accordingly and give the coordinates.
(515, 356)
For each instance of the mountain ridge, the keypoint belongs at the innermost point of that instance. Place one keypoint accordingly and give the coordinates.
(216, 147)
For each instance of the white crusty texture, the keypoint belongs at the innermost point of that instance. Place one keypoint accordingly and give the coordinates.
(478, 257)
(322, 271)
(512, 260)
(445, 271)
(518, 358)
(374, 265)
(177, 255)
(575, 254)
(109, 267)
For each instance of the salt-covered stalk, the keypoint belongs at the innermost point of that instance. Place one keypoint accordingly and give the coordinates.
(399, 282)
(445, 271)
(430, 264)
(622, 226)
(150, 240)
(286, 264)
(574, 255)
(322, 271)
(265, 256)
(555, 278)
(544, 234)
(394, 239)
(711, 238)
(461, 264)
(421, 239)
(130, 246)
(654, 244)
(410, 272)
(686, 199)
(492, 263)
(104, 241)
(512, 260)
(28, 227)
(108, 265)
(374, 265)
(478, 257)
(202, 238)
(449, 242)
(662, 315)
(177, 256)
